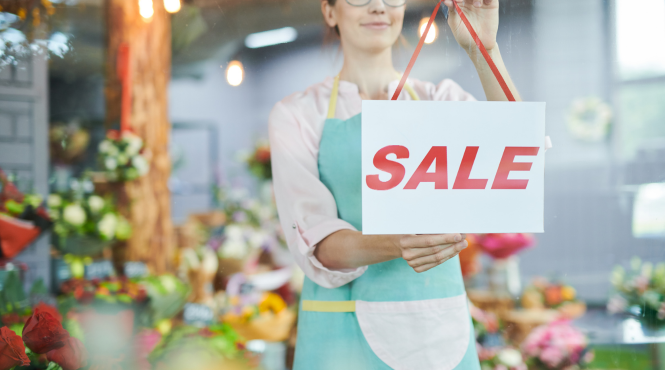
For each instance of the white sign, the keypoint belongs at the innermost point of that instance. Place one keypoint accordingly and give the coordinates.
(452, 167)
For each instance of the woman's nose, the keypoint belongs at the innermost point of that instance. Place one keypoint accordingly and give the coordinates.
(377, 6)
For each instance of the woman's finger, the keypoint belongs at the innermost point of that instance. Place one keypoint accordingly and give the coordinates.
(413, 253)
(430, 266)
(438, 257)
(426, 241)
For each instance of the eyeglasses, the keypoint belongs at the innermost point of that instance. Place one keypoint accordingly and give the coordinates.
(392, 3)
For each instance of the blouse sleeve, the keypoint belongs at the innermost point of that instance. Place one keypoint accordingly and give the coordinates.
(307, 209)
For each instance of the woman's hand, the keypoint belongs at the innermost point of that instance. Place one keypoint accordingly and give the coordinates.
(423, 252)
(483, 16)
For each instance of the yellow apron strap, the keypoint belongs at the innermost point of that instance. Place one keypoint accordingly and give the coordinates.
(329, 306)
(333, 98)
(411, 92)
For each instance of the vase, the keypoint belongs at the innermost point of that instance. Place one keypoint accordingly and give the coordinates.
(504, 276)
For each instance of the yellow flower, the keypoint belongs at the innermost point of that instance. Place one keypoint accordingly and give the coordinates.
(272, 302)
(21, 14)
(568, 293)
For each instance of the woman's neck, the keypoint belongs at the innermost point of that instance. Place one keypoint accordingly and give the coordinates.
(372, 72)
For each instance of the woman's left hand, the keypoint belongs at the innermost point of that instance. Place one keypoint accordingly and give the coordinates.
(484, 17)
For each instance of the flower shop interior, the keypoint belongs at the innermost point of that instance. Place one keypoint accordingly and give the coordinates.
(138, 228)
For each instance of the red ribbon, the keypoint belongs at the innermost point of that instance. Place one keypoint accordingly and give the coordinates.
(125, 74)
(473, 33)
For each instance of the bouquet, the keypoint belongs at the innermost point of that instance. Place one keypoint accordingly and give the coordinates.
(258, 161)
(122, 156)
(111, 290)
(639, 291)
(500, 358)
(87, 216)
(501, 246)
(22, 218)
(556, 346)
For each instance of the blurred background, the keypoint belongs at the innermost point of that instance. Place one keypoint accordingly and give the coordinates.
(136, 178)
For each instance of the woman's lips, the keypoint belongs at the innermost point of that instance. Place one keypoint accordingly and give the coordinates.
(376, 25)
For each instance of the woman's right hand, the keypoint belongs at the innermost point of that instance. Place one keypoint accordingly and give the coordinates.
(423, 252)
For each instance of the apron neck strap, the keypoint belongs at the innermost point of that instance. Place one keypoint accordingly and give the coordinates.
(332, 104)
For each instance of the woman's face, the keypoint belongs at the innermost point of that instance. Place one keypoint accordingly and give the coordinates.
(373, 27)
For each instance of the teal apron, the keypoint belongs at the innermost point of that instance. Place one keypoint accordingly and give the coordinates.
(390, 317)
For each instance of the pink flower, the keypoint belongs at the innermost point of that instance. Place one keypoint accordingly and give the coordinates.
(552, 356)
(500, 367)
(617, 304)
(505, 245)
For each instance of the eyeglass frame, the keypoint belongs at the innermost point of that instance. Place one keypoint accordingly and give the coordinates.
(384, 1)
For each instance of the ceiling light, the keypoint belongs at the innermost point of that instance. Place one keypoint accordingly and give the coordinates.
(433, 31)
(273, 37)
(235, 73)
(145, 9)
(172, 6)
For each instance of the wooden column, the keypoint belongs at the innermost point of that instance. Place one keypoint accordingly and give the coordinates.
(146, 201)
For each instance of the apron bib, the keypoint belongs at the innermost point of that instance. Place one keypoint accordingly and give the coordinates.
(390, 317)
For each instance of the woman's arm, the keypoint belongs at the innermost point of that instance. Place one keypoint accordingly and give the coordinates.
(347, 249)
(484, 17)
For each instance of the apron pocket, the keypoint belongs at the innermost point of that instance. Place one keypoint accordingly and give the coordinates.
(431, 334)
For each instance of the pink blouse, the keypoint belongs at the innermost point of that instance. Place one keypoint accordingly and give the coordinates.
(307, 209)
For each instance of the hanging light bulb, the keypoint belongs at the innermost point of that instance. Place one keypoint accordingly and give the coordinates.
(172, 6)
(433, 31)
(145, 9)
(235, 73)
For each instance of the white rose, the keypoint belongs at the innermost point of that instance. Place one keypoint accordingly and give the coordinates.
(54, 201)
(210, 262)
(110, 164)
(74, 214)
(105, 146)
(234, 232)
(256, 240)
(234, 249)
(140, 164)
(107, 225)
(510, 357)
(96, 203)
(134, 144)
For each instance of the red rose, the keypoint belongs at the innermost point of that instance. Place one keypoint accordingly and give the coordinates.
(49, 309)
(72, 356)
(262, 154)
(12, 350)
(11, 319)
(43, 332)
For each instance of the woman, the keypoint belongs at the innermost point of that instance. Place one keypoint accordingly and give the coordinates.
(370, 301)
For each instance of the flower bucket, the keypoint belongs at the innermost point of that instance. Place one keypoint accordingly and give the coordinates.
(16, 235)
(80, 245)
(105, 330)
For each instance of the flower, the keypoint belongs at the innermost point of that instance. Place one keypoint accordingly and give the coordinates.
(74, 214)
(510, 357)
(505, 245)
(96, 203)
(53, 201)
(12, 350)
(134, 143)
(43, 332)
(552, 356)
(50, 310)
(71, 356)
(107, 226)
(110, 163)
(123, 230)
(141, 164)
